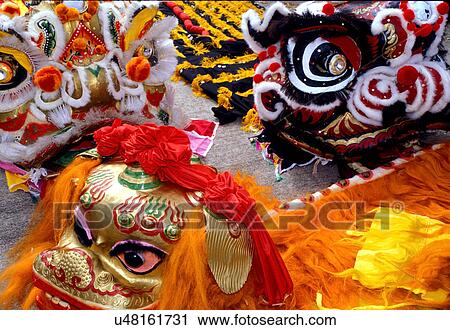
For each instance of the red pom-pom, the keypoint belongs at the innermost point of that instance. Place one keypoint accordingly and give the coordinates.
(177, 10)
(403, 5)
(328, 9)
(170, 4)
(409, 15)
(272, 50)
(274, 66)
(48, 79)
(205, 33)
(442, 8)
(138, 69)
(262, 56)
(258, 78)
(188, 24)
(184, 16)
(197, 29)
(407, 75)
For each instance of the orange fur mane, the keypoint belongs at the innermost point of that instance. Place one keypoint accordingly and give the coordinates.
(314, 258)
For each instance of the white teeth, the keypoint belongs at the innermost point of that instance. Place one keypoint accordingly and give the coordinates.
(279, 106)
(62, 303)
(57, 301)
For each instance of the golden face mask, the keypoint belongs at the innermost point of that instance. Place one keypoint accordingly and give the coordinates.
(68, 68)
(126, 225)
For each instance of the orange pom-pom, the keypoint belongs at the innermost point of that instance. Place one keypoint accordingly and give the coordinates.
(61, 10)
(10, 8)
(80, 44)
(87, 17)
(92, 7)
(138, 69)
(72, 14)
(48, 79)
(407, 75)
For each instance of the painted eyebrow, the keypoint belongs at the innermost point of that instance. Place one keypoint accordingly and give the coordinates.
(130, 244)
(81, 224)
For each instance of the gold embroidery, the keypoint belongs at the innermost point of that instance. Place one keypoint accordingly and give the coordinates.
(391, 40)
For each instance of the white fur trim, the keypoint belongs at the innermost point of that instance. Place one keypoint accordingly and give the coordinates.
(131, 10)
(14, 152)
(103, 11)
(34, 30)
(24, 92)
(378, 27)
(68, 88)
(60, 116)
(434, 47)
(252, 18)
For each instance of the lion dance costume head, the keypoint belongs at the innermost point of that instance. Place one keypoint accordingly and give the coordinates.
(70, 67)
(139, 223)
(355, 82)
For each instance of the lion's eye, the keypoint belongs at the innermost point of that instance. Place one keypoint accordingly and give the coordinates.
(324, 64)
(6, 72)
(138, 257)
(148, 50)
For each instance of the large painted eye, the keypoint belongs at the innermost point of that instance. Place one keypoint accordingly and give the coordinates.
(12, 74)
(138, 257)
(324, 65)
(148, 50)
(6, 72)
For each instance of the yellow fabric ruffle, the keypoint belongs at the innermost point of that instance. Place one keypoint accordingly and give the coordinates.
(16, 182)
(390, 247)
(251, 122)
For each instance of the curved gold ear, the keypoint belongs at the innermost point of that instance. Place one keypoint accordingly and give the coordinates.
(229, 250)
(139, 22)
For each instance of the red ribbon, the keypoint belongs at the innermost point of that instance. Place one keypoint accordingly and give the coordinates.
(223, 196)
(165, 151)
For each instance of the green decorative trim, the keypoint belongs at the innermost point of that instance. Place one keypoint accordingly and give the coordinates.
(86, 200)
(172, 232)
(195, 159)
(126, 220)
(139, 186)
(164, 117)
(156, 207)
(50, 36)
(133, 177)
(95, 71)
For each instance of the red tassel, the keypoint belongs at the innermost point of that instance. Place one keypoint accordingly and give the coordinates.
(273, 280)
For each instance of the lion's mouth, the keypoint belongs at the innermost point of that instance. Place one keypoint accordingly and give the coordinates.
(46, 301)
(53, 298)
